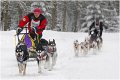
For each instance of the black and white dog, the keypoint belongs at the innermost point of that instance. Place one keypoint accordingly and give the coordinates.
(22, 56)
(95, 41)
(52, 53)
(46, 54)
(42, 56)
(84, 47)
(99, 41)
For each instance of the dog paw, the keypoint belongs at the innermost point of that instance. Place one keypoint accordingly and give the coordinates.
(24, 74)
(76, 55)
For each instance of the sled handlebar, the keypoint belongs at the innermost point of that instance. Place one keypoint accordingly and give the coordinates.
(21, 34)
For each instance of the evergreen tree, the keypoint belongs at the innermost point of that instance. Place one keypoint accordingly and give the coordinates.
(93, 10)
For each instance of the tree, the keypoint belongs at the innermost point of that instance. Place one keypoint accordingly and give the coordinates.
(18, 9)
(0, 17)
(54, 15)
(5, 15)
(76, 12)
(93, 10)
(64, 16)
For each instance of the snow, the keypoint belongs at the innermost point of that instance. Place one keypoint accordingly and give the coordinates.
(89, 23)
(88, 17)
(97, 6)
(103, 65)
(42, 4)
(89, 6)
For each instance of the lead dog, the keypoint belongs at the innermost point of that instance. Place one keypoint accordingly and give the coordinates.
(76, 47)
(99, 43)
(22, 57)
(94, 42)
(84, 47)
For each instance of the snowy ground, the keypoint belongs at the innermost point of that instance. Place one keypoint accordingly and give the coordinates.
(103, 65)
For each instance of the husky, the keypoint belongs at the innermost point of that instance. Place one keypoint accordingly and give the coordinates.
(84, 47)
(76, 47)
(99, 43)
(94, 42)
(22, 56)
(42, 57)
(52, 53)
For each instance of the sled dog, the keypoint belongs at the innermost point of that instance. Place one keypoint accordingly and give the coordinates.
(84, 48)
(52, 54)
(22, 57)
(76, 47)
(42, 57)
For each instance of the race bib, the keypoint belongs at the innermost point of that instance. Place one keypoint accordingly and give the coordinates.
(34, 23)
(97, 27)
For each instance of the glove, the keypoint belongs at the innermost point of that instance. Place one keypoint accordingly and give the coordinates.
(41, 29)
(34, 29)
(18, 30)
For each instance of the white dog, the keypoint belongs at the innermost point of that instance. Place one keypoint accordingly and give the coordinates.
(76, 47)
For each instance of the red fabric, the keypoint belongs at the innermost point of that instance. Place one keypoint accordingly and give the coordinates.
(42, 25)
(23, 21)
(37, 10)
(26, 20)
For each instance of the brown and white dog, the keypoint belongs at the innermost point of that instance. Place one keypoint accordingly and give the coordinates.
(22, 57)
(84, 47)
(76, 47)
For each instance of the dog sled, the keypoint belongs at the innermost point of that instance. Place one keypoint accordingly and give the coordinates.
(25, 37)
(42, 51)
(95, 40)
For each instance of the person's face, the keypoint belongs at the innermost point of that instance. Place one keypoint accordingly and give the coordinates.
(97, 22)
(36, 14)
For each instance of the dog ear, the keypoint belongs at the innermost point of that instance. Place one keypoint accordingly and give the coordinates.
(76, 40)
(49, 40)
(54, 40)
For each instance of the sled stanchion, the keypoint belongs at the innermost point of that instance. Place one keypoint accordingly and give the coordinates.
(18, 38)
(15, 38)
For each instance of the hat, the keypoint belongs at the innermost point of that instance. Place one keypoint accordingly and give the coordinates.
(37, 10)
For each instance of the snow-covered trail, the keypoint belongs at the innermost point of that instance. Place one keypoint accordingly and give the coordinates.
(104, 65)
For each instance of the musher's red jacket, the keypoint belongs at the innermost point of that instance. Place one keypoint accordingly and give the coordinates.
(30, 19)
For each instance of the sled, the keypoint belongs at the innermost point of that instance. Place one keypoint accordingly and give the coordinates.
(30, 43)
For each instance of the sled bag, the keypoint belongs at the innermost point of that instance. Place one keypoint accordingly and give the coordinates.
(28, 40)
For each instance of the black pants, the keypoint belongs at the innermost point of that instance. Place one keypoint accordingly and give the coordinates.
(97, 33)
(36, 38)
(33, 35)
